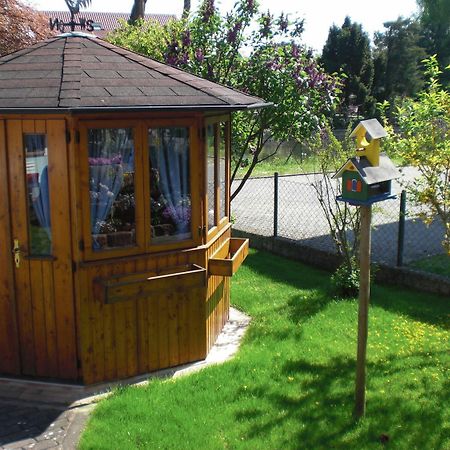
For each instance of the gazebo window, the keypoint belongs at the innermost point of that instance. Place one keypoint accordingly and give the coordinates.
(217, 144)
(210, 175)
(170, 181)
(39, 225)
(112, 187)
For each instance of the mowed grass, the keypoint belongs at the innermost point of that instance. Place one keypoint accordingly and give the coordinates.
(282, 166)
(291, 385)
(438, 264)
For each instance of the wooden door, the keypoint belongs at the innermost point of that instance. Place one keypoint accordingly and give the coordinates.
(40, 254)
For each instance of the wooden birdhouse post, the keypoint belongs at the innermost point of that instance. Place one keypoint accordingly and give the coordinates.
(366, 179)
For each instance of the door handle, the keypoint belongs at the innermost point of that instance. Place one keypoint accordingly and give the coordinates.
(16, 253)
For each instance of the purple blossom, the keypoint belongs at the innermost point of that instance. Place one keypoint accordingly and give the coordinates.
(186, 39)
(172, 60)
(105, 161)
(180, 214)
(266, 23)
(208, 10)
(233, 32)
(283, 23)
(295, 51)
(183, 59)
(199, 56)
(251, 6)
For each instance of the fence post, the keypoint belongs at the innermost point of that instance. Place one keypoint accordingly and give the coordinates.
(275, 204)
(401, 229)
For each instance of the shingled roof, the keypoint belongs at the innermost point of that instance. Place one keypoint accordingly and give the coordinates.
(77, 73)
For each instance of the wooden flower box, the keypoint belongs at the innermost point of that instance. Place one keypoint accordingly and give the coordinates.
(227, 260)
(146, 284)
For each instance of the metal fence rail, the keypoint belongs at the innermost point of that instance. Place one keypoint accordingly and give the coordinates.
(287, 206)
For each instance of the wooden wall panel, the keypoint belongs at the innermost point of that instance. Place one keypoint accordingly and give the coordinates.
(9, 344)
(61, 244)
(19, 224)
(218, 297)
(155, 331)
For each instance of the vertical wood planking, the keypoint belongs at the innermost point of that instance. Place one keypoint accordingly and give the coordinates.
(86, 331)
(142, 325)
(62, 250)
(131, 328)
(96, 315)
(20, 231)
(121, 333)
(40, 332)
(50, 317)
(76, 227)
(9, 343)
(162, 320)
(109, 329)
(152, 323)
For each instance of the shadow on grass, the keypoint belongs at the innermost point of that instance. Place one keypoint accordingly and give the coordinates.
(423, 307)
(319, 413)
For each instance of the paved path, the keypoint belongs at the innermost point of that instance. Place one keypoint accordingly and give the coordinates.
(41, 415)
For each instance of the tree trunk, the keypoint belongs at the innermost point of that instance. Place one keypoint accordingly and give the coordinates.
(137, 12)
(186, 8)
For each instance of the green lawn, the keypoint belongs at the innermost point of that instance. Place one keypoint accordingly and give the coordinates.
(291, 384)
(438, 264)
(279, 164)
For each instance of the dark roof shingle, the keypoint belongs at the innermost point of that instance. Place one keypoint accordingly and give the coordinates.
(76, 71)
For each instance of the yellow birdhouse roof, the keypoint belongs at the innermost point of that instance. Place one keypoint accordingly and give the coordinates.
(372, 127)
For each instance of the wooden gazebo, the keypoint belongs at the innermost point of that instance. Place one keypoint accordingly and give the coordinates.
(115, 243)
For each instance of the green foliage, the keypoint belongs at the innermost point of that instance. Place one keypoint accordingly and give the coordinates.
(424, 142)
(291, 385)
(343, 219)
(347, 50)
(437, 264)
(345, 281)
(435, 20)
(146, 37)
(397, 55)
(255, 53)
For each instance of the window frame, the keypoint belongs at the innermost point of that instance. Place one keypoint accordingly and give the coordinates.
(139, 247)
(221, 223)
(194, 171)
(143, 243)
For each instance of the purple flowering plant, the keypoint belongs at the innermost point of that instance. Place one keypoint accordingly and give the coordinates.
(258, 54)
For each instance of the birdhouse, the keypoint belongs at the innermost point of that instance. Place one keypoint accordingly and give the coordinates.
(367, 177)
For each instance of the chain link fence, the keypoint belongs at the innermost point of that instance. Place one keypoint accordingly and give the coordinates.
(287, 206)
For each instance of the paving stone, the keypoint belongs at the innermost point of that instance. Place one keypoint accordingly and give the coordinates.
(44, 445)
(20, 444)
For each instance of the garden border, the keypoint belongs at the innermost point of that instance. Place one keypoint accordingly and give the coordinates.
(399, 276)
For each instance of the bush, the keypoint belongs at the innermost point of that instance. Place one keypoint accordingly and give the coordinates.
(345, 281)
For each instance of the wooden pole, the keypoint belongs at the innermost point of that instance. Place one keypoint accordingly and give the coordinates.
(363, 313)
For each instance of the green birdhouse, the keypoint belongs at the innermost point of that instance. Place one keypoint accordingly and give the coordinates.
(367, 177)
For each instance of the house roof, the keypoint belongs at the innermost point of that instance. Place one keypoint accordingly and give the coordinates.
(372, 127)
(78, 73)
(370, 174)
(107, 21)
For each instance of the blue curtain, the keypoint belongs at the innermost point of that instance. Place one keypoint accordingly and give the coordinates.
(41, 202)
(171, 160)
(111, 154)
